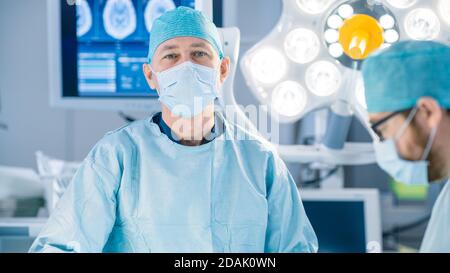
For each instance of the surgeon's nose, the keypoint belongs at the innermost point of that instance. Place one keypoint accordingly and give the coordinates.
(185, 58)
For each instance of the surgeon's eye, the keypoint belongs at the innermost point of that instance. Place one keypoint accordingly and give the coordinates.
(170, 57)
(199, 54)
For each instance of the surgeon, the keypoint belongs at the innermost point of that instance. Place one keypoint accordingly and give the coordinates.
(408, 98)
(180, 181)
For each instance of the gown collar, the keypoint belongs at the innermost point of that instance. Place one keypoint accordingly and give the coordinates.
(165, 129)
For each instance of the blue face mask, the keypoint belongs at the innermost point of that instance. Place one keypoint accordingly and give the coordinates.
(187, 89)
(407, 172)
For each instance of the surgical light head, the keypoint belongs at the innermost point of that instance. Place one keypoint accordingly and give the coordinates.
(312, 57)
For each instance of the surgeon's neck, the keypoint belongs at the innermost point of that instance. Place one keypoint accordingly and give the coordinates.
(192, 131)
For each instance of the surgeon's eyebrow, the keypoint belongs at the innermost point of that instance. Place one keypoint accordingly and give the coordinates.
(169, 47)
(200, 44)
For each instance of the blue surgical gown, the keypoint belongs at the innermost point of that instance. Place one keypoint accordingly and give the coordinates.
(138, 191)
(437, 235)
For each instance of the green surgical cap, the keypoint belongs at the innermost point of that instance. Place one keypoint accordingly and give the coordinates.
(183, 22)
(395, 78)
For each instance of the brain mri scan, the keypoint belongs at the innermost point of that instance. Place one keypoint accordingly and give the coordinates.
(84, 18)
(119, 18)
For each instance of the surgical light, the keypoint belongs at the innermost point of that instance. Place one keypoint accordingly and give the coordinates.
(323, 78)
(360, 27)
(335, 21)
(312, 57)
(387, 21)
(268, 65)
(345, 11)
(289, 98)
(302, 45)
(331, 36)
(360, 36)
(391, 36)
(402, 4)
(314, 6)
(322, 44)
(422, 24)
(336, 50)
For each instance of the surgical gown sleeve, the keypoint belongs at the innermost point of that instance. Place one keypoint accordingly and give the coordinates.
(85, 215)
(437, 235)
(289, 229)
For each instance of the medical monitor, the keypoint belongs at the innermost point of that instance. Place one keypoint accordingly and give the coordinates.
(345, 220)
(97, 48)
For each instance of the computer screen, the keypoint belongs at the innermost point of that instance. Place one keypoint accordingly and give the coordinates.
(339, 225)
(345, 220)
(111, 46)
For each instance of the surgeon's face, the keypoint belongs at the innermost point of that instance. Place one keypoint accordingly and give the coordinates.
(183, 49)
(411, 144)
(173, 53)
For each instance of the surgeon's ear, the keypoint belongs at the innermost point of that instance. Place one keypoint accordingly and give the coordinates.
(430, 112)
(224, 69)
(149, 76)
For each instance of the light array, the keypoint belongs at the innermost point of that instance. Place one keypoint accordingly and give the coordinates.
(305, 64)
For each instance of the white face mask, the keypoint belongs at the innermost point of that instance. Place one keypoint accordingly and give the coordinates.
(188, 88)
(408, 172)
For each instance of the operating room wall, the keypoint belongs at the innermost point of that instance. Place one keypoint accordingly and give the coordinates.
(29, 124)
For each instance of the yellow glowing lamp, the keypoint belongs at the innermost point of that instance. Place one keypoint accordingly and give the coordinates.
(360, 35)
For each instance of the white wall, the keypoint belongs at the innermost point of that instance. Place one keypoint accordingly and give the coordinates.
(31, 123)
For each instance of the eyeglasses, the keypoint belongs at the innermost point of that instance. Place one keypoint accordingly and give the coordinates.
(377, 124)
(411, 113)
